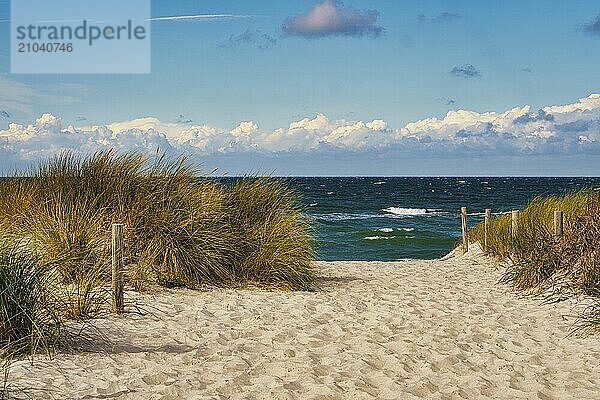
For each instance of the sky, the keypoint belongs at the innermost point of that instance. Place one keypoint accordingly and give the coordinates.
(330, 87)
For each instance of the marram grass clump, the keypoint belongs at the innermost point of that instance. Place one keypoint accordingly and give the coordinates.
(539, 262)
(179, 230)
(28, 321)
(275, 245)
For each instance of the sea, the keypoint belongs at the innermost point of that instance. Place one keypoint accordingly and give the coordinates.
(386, 219)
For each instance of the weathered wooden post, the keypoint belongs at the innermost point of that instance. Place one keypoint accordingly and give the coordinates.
(558, 224)
(488, 218)
(515, 223)
(465, 229)
(117, 268)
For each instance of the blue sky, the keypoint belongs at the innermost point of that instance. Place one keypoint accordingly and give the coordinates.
(425, 58)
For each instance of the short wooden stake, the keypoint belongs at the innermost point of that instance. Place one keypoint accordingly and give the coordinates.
(488, 218)
(117, 269)
(515, 223)
(465, 229)
(558, 224)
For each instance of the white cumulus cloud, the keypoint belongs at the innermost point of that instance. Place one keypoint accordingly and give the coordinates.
(333, 18)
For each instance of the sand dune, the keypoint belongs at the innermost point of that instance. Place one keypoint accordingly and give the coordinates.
(413, 329)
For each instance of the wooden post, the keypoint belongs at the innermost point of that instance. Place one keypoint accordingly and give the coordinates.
(488, 218)
(515, 223)
(465, 229)
(117, 268)
(558, 224)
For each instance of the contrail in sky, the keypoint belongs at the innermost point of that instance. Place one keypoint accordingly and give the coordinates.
(199, 17)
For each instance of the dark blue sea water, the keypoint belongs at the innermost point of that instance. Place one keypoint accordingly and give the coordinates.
(395, 218)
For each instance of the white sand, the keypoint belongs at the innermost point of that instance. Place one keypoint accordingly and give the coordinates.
(400, 330)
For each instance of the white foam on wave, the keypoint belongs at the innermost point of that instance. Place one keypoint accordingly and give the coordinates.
(391, 212)
(405, 211)
(390, 230)
(410, 211)
(380, 183)
(344, 216)
(379, 237)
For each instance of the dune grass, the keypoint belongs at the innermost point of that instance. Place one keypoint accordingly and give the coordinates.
(180, 230)
(541, 263)
(274, 241)
(28, 321)
(589, 319)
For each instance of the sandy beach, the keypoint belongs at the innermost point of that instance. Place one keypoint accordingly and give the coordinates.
(401, 330)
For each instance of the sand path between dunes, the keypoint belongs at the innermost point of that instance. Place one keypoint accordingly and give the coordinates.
(402, 330)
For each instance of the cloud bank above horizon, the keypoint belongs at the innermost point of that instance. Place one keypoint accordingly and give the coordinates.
(571, 130)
